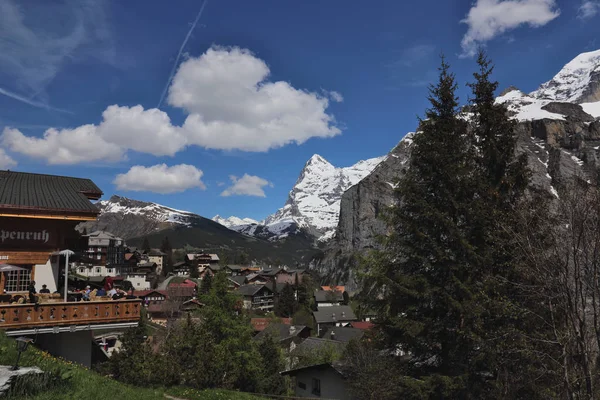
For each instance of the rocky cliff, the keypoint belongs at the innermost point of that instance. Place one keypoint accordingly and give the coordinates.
(558, 128)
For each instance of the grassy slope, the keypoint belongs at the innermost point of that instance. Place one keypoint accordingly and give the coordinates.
(88, 384)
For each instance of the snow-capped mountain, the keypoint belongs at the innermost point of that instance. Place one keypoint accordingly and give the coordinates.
(313, 203)
(130, 218)
(232, 221)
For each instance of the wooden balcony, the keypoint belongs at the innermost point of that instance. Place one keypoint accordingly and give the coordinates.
(20, 316)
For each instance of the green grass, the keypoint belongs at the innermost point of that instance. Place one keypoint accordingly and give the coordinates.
(83, 383)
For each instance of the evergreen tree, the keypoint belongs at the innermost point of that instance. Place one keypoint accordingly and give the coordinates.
(146, 246)
(206, 283)
(286, 303)
(272, 362)
(427, 306)
(166, 248)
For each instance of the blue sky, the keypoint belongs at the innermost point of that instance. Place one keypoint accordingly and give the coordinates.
(259, 87)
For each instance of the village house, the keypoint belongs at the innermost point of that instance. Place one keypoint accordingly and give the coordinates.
(323, 380)
(236, 281)
(260, 324)
(327, 298)
(157, 257)
(257, 297)
(333, 316)
(341, 334)
(201, 259)
(288, 336)
(105, 248)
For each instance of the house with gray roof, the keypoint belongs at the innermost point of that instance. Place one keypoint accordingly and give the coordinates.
(257, 297)
(333, 316)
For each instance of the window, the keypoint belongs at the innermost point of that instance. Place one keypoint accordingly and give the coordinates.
(302, 385)
(98, 257)
(97, 270)
(109, 270)
(81, 270)
(316, 387)
(17, 281)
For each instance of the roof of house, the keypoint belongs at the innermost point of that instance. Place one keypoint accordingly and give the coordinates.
(364, 325)
(341, 334)
(144, 293)
(311, 344)
(334, 314)
(147, 265)
(251, 290)
(180, 264)
(102, 235)
(323, 296)
(261, 323)
(251, 277)
(239, 280)
(280, 331)
(212, 257)
(185, 283)
(38, 192)
(336, 366)
(334, 288)
(156, 253)
(270, 272)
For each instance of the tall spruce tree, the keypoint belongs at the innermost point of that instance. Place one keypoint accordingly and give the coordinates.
(424, 299)
(146, 246)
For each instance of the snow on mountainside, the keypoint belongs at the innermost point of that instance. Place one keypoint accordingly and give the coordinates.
(232, 221)
(578, 81)
(314, 202)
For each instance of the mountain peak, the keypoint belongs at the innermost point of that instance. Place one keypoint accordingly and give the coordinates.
(577, 82)
(317, 160)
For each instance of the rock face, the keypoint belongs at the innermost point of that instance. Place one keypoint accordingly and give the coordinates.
(560, 137)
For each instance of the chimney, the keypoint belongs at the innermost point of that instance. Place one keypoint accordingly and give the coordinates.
(333, 316)
(332, 335)
(343, 314)
(292, 330)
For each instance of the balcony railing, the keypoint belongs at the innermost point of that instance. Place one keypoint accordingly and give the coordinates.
(60, 314)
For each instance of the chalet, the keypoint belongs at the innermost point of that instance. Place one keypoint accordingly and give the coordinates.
(157, 257)
(323, 380)
(181, 268)
(341, 334)
(256, 279)
(105, 248)
(234, 270)
(288, 336)
(257, 297)
(210, 269)
(38, 241)
(201, 258)
(326, 298)
(333, 316)
(236, 281)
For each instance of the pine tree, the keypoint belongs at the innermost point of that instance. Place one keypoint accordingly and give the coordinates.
(166, 248)
(146, 246)
(286, 303)
(272, 363)
(427, 305)
(206, 283)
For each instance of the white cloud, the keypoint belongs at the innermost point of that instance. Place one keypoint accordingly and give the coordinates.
(6, 161)
(232, 105)
(247, 185)
(589, 9)
(65, 146)
(160, 178)
(490, 18)
(336, 96)
(34, 48)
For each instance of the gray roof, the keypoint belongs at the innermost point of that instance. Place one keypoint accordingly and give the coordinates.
(48, 192)
(334, 314)
(311, 344)
(103, 235)
(147, 265)
(341, 334)
(327, 296)
(270, 272)
(251, 290)
(240, 279)
(156, 253)
(280, 331)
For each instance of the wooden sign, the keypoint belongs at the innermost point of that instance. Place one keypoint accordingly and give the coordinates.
(32, 234)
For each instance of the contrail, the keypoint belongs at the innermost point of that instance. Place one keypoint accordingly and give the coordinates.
(31, 102)
(187, 37)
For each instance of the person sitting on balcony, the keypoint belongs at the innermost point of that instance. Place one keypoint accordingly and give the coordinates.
(86, 293)
(116, 294)
(44, 289)
(101, 292)
(32, 292)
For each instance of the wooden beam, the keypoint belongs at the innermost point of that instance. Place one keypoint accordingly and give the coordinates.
(58, 217)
